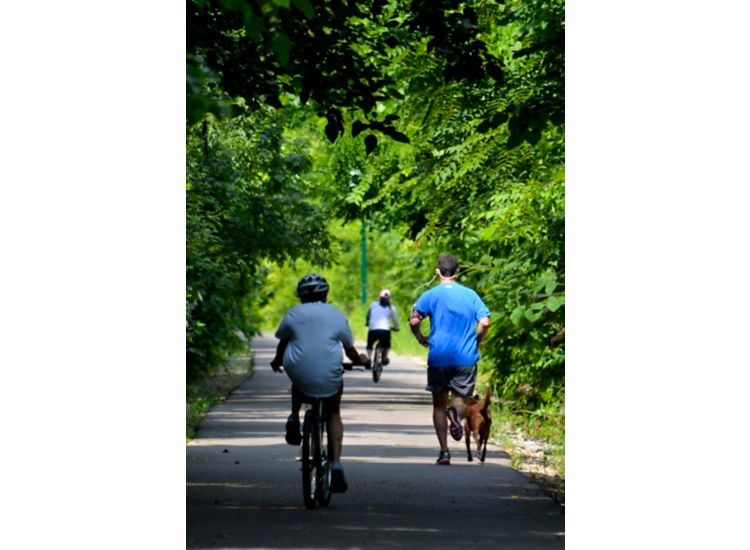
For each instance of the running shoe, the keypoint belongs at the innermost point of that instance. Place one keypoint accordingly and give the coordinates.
(338, 481)
(444, 458)
(456, 430)
(293, 435)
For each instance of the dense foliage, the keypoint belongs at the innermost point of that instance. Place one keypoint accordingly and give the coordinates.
(246, 202)
(452, 112)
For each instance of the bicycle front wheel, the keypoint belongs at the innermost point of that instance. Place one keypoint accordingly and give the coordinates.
(324, 466)
(309, 461)
(377, 363)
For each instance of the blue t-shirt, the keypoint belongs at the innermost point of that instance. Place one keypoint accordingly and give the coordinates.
(454, 311)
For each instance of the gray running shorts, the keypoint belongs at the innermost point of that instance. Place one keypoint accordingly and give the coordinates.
(460, 380)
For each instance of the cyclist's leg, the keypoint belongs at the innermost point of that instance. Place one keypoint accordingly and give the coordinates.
(377, 335)
(332, 411)
(371, 338)
(293, 433)
(385, 344)
(297, 400)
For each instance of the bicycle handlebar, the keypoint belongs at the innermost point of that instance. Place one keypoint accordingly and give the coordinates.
(348, 365)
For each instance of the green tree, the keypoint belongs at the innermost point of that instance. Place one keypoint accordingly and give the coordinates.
(246, 201)
(333, 53)
(470, 96)
(483, 177)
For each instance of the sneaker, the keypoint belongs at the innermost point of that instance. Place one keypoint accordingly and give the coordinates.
(444, 458)
(293, 435)
(338, 481)
(456, 430)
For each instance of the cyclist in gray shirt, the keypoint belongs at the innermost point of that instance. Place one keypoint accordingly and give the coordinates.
(311, 336)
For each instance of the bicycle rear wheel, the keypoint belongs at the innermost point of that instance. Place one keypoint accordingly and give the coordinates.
(324, 470)
(309, 460)
(377, 363)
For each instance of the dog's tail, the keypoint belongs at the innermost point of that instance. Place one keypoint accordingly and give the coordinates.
(486, 405)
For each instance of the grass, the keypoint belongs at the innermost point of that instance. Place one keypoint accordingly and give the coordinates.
(207, 392)
(536, 446)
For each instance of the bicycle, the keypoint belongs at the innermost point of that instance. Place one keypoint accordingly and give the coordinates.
(317, 451)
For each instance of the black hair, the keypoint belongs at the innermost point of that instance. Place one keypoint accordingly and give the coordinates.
(448, 265)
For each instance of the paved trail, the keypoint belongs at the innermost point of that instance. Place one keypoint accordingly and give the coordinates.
(244, 484)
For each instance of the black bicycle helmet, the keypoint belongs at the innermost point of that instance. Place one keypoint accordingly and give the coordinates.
(311, 284)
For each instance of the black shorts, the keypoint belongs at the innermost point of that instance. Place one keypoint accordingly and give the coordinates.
(460, 380)
(382, 336)
(331, 404)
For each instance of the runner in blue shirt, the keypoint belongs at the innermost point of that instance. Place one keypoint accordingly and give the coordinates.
(458, 323)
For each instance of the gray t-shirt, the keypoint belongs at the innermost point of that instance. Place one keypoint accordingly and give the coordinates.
(313, 357)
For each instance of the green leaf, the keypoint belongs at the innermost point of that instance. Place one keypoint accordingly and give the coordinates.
(551, 283)
(255, 27)
(531, 316)
(281, 45)
(540, 283)
(516, 316)
(282, 3)
(305, 7)
(554, 303)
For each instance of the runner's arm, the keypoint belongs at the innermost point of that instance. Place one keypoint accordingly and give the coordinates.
(414, 320)
(484, 325)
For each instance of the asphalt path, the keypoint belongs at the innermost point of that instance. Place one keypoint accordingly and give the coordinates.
(244, 487)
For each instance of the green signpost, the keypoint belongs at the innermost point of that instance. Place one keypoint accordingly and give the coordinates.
(363, 269)
(355, 173)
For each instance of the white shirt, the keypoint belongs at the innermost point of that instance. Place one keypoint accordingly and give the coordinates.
(378, 317)
(316, 332)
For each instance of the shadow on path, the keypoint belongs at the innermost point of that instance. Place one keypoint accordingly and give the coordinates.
(244, 484)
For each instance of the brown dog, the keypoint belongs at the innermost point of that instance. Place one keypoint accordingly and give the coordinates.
(477, 422)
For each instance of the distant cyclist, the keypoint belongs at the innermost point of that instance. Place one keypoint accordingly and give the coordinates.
(310, 339)
(379, 318)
